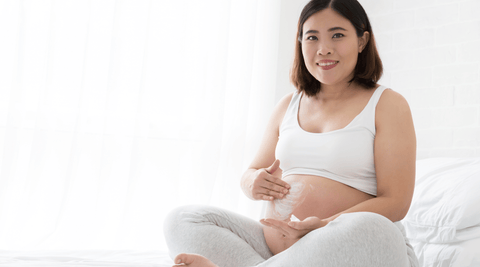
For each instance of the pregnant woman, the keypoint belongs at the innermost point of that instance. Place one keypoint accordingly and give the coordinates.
(336, 166)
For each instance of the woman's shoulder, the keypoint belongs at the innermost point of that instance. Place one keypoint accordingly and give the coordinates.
(284, 102)
(281, 107)
(391, 100)
(287, 98)
(391, 107)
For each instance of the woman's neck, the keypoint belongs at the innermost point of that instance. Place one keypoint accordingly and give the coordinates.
(336, 92)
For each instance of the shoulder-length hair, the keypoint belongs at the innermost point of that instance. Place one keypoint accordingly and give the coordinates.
(369, 67)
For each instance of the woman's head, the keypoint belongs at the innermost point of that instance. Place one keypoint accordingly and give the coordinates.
(339, 31)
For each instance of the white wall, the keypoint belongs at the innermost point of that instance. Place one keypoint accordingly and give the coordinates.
(431, 55)
(290, 13)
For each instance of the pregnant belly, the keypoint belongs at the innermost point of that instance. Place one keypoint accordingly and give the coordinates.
(320, 197)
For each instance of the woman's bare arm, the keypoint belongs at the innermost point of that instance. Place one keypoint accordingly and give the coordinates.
(265, 156)
(395, 156)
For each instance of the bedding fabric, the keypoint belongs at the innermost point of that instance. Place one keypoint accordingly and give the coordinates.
(90, 258)
(445, 204)
(459, 254)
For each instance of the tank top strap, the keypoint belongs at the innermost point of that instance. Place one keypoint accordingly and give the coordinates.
(367, 117)
(376, 95)
(294, 103)
(290, 117)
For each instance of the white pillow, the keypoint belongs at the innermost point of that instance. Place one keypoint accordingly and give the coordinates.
(446, 201)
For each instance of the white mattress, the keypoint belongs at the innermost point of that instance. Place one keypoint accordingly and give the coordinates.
(97, 258)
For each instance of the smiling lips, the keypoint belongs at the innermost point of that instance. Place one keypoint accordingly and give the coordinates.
(327, 64)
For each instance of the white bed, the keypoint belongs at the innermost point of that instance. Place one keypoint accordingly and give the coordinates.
(443, 225)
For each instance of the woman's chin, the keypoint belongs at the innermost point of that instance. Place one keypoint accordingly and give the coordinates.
(332, 80)
(327, 80)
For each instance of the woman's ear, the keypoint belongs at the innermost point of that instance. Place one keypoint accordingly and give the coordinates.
(363, 41)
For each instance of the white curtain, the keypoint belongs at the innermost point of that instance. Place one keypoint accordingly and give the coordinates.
(114, 112)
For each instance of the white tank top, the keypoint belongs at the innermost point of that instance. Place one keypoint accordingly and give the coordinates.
(344, 155)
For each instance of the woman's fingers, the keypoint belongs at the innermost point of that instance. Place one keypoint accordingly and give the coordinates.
(274, 189)
(294, 230)
(271, 193)
(267, 197)
(285, 228)
(264, 194)
(308, 224)
(268, 187)
(277, 183)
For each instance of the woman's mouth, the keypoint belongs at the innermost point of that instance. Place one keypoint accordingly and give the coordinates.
(328, 65)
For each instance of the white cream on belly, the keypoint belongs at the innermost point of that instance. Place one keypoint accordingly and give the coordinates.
(282, 209)
(314, 196)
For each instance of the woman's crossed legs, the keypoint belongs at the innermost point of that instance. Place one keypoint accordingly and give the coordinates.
(225, 239)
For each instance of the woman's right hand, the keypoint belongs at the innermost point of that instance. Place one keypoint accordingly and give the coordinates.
(265, 186)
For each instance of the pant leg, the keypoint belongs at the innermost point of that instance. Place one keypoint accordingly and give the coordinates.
(224, 237)
(353, 239)
(412, 257)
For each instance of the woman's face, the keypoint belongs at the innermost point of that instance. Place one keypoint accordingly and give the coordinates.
(330, 38)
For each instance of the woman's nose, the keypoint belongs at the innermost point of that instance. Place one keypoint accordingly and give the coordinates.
(324, 49)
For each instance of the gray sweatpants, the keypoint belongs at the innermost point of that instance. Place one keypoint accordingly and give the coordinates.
(229, 239)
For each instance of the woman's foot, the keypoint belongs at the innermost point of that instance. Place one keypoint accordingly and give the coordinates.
(193, 260)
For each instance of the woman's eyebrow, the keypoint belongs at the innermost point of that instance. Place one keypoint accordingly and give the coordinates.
(330, 30)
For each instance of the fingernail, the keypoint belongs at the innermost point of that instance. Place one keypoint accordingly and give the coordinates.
(178, 261)
(285, 191)
(281, 195)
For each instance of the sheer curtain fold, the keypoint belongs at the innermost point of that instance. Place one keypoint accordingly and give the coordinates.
(114, 112)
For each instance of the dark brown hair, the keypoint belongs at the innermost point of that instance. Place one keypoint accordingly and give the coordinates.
(369, 67)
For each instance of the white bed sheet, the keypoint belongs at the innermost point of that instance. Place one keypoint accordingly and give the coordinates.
(90, 258)
(457, 254)
(463, 254)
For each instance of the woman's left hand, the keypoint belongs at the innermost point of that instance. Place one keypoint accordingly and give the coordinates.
(294, 230)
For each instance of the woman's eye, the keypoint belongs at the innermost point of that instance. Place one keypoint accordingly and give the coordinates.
(336, 36)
